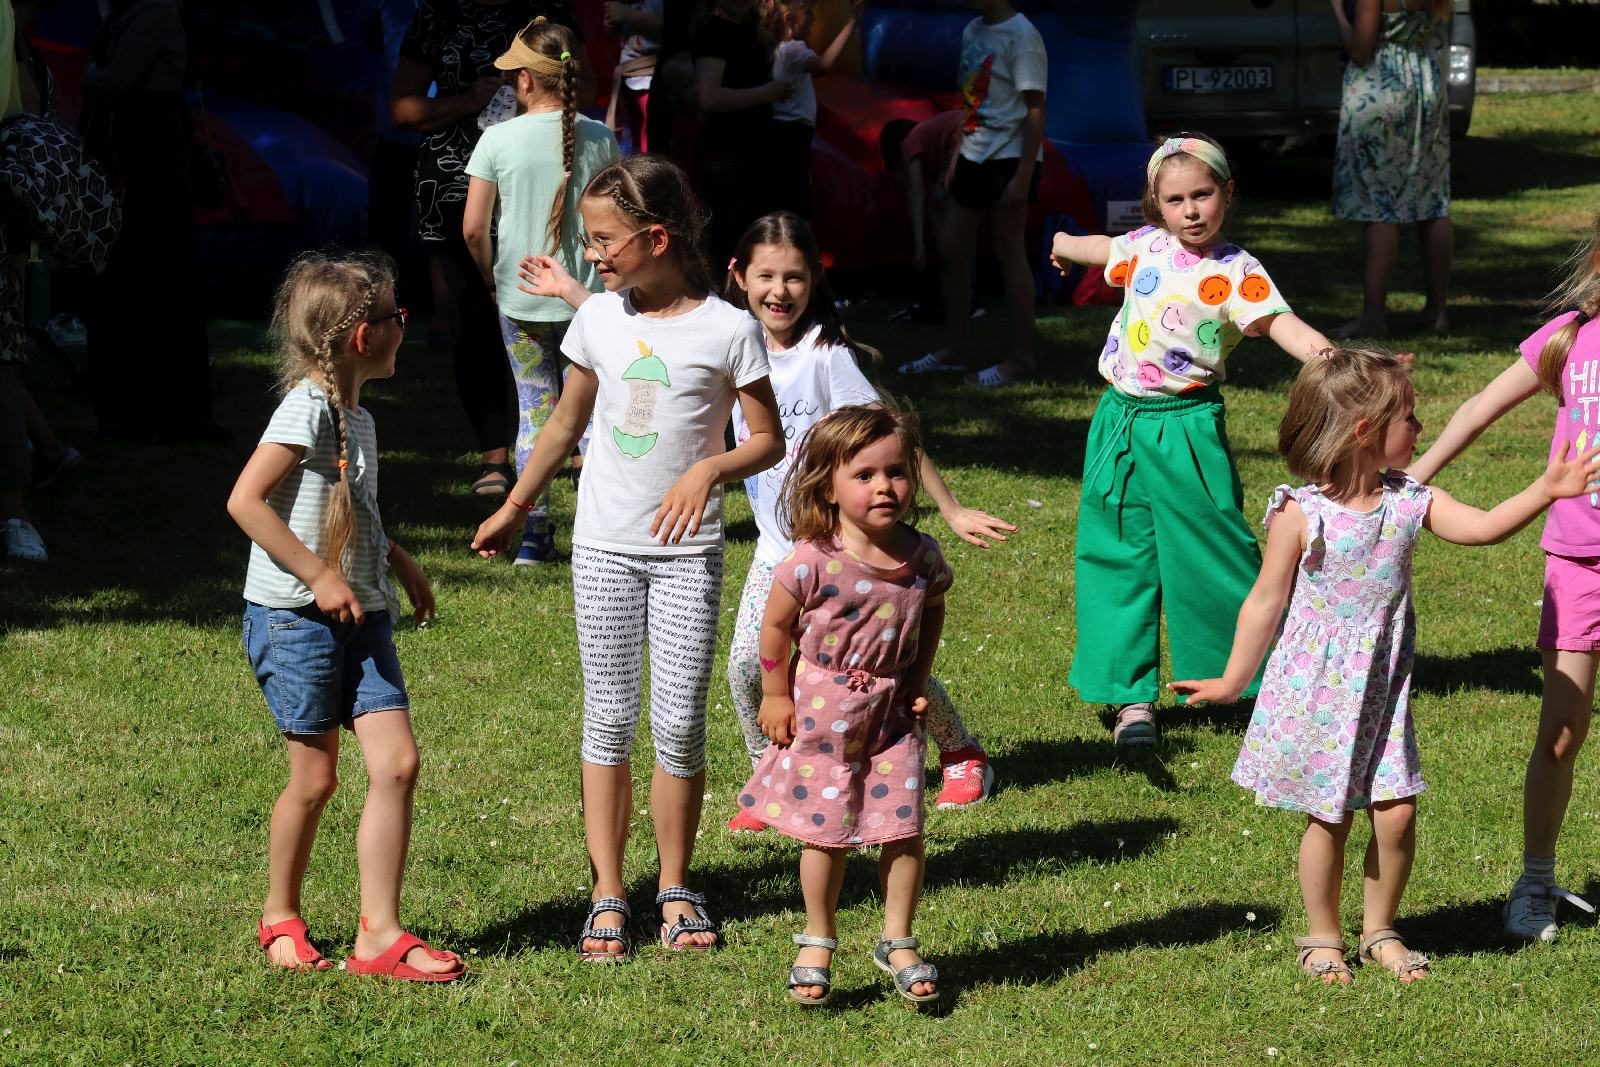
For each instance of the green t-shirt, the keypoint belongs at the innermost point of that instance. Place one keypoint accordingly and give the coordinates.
(522, 156)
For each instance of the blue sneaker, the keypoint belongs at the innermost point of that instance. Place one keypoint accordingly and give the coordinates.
(538, 547)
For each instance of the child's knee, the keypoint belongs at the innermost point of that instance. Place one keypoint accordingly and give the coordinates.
(397, 770)
(312, 789)
(1562, 739)
(1395, 817)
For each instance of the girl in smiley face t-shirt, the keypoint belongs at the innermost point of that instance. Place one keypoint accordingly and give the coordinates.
(1160, 528)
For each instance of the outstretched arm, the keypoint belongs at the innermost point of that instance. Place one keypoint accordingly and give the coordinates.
(1260, 613)
(823, 64)
(969, 524)
(1464, 524)
(1510, 387)
(1293, 334)
(1091, 251)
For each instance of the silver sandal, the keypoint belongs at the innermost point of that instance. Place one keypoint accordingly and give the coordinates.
(906, 977)
(1411, 961)
(1322, 968)
(822, 976)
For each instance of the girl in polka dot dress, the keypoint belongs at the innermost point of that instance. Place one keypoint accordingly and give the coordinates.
(1159, 520)
(862, 596)
(1331, 732)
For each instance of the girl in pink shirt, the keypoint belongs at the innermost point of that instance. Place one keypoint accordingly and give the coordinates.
(1562, 358)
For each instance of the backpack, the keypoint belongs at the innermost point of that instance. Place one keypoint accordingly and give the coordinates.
(52, 192)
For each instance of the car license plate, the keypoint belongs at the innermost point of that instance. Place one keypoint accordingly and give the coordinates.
(1241, 79)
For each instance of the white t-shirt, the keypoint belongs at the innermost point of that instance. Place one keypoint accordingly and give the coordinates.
(1183, 311)
(304, 419)
(789, 65)
(666, 389)
(810, 380)
(998, 64)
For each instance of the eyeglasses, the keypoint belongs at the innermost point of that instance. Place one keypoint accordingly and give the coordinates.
(400, 315)
(604, 247)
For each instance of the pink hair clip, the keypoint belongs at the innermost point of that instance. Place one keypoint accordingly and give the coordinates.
(732, 262)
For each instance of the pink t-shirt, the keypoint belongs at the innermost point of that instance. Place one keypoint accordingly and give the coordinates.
(1573, 527)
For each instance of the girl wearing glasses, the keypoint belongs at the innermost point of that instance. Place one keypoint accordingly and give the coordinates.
(658, 361)
(522, 174)
(319, 609)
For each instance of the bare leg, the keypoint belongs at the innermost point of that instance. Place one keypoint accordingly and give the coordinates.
(900, 873)
(1437, 238)
(1563, 725)
(1321, 871)
(1382, 248)
(1390, 854)
(821, 878)
(958, 243)
(384, 836)
(607, 806)
(313, 763)
(675, 809)
(1008, 223)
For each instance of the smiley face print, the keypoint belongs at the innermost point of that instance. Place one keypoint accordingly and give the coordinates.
(1254, 288)
(1139, 335)
(1176, 315)
(1214, 289)
(1145, 282)
(1209, 334)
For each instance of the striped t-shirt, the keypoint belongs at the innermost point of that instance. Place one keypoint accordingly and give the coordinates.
(304, 419)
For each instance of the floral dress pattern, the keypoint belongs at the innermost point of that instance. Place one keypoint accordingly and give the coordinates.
(1332, 727)
(1392, 162)
(853, 775)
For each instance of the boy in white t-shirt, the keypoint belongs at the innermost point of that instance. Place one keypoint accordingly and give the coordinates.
(794, 120)
(1002, 77)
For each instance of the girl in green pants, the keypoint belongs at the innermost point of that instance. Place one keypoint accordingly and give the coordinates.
(1159, 521)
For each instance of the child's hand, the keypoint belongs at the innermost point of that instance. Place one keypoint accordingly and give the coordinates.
(972, 526)
(1058, 253)
(336, 599)
(494, 534)
(418, 590)
(1570, 477)
(1016, 190)
(681, 509)
(919, 707)
(1206, 691)
(543, 276)
(856, 8)
(616, 14)
(776, 90)
(777, 719)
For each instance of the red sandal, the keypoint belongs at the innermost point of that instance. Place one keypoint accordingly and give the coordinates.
(304, 951)
(391, 965)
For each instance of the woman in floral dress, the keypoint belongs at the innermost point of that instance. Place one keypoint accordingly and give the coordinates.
(1392, 164)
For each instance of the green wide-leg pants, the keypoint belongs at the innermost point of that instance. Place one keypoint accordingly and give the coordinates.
(1159, 526)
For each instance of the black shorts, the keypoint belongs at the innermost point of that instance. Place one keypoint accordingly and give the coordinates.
(979, 186)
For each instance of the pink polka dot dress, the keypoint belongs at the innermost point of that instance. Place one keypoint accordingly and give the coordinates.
(853, 776)
(1332, 727)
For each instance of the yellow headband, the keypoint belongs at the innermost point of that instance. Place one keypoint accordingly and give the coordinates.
(1204, 151)
(520, 57)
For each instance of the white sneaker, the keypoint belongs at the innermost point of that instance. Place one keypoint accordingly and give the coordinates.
(23, 541)
(1530, 912)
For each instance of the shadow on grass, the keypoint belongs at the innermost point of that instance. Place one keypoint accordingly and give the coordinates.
(1028, 764)
(1499, 670)
(12, 955)
(768, 879)
(1219, 718)
(1049, 957)
(1474, 926)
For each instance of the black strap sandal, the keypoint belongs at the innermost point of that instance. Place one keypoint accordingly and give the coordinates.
(496, 479)
(701, 923)
(620, 934)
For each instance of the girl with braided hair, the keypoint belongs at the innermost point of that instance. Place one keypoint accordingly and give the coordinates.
(1561, 358)
(657, 360)
(320, 610)
(525, 178)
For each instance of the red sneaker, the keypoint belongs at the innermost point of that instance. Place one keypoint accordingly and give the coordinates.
(968, 778)
(744, 822)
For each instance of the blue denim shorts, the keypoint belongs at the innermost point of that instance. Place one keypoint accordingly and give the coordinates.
(319, 674)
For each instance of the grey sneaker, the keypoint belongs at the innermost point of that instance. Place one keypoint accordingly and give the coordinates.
(1136, 725)
(23, 541)
(1530, 912)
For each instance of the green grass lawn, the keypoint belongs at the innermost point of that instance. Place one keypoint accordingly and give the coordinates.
(1103, 906)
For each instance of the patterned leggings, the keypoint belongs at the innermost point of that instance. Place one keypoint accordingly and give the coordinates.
(744, 675)
(533, 348)
(619, 598)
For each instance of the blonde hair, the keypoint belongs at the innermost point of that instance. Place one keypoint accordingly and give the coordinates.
(559, 45)
(807, 513)
(1149, 205)
(1334, 392)
(1579, 291)
(319, 304)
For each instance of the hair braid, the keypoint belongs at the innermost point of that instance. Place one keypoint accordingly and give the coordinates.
(338, 521)
(569, 138)
(652, 190)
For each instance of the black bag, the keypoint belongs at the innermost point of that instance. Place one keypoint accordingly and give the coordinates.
(52, 192)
